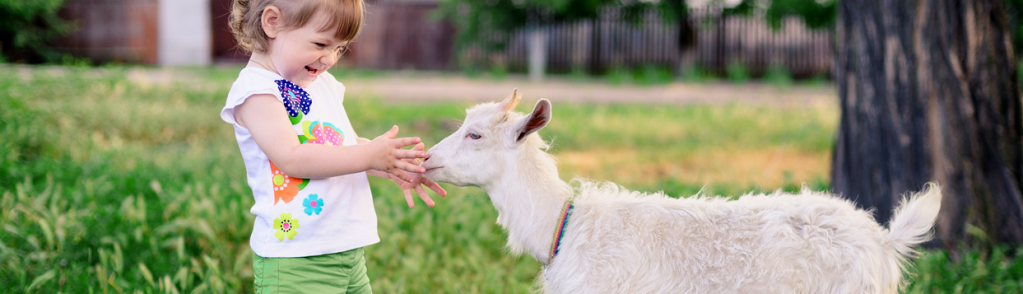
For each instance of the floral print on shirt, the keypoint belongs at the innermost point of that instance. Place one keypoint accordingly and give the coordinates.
(286, 227)
(322, 133)
(285, 187)
(313, 204)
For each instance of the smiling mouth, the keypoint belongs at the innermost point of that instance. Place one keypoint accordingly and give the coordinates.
(311, 70)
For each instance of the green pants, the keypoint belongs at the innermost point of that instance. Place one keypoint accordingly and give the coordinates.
(342, 272)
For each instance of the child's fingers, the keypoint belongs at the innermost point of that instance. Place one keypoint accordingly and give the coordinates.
(412, 168)
(435, 187)
(390, 134)
(407, 185)
(424, 196)
(401, 183)
(402, 142)
(409, 154)
(419, 147)
(401, 175)
(408, 198)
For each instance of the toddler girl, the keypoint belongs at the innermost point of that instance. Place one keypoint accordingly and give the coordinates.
(306, 166)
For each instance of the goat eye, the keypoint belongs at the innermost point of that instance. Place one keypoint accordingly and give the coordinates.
(474, 136)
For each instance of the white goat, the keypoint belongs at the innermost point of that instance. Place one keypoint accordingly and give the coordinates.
(619, 241)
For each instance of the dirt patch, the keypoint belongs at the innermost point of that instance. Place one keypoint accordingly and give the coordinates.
(422, 87)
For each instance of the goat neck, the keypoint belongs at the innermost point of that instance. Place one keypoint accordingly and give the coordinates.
(528, 199)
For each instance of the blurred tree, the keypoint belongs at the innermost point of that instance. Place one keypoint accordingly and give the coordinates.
(928, 91)
(26, 27)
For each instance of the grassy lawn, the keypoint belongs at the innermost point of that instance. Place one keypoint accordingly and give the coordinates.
(111, 185)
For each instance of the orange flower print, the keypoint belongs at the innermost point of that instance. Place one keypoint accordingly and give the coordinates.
(285, 187)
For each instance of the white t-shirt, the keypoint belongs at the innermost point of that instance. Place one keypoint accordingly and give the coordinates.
(303, 217)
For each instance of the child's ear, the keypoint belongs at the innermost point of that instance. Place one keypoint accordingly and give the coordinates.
(271, 19)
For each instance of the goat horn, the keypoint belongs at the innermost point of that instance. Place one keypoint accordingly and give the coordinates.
(512, 101)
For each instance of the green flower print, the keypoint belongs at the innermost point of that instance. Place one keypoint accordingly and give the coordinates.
(286, 227)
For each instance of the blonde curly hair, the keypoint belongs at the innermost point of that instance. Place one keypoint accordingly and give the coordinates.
(345, 19)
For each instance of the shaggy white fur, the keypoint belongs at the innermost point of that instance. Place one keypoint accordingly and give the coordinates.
(620, 241)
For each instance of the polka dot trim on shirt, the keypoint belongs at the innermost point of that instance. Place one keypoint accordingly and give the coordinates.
(296, 100)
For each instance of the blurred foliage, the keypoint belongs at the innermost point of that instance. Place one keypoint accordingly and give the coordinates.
(778, 76)
(618, 76)
(737, 72)
(647, 74)
(650, 74)
(1014, 8)
(816, 14)
(696, 74)
(27, 27)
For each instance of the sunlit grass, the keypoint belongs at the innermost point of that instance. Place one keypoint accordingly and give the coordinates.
(111, 183)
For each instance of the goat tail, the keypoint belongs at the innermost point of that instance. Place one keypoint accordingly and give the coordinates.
(913, 220)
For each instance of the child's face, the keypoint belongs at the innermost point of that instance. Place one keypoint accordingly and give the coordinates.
(301, 54)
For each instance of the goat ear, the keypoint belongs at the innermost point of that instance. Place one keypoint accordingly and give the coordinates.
(533, 122)
(512, 101)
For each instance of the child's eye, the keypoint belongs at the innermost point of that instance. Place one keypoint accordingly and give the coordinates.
(321, 45)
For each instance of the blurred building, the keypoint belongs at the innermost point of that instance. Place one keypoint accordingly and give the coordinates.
(397, 34)
(168, 32)
(195, 32)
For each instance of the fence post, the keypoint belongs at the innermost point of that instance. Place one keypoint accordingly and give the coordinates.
(537, 53)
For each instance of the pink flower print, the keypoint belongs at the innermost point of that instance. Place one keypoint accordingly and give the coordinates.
(286, 227)
(285, 187)
(296, 100)
(313, 204)
(322, 133)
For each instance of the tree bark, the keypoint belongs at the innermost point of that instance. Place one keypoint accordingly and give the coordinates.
(928, 91)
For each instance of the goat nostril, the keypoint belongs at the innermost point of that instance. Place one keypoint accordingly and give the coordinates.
(425, 159)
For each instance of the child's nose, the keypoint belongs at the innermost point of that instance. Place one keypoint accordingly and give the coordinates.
(329, 59)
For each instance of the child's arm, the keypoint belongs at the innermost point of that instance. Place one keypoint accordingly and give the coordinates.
(267, 121)
(372, 172)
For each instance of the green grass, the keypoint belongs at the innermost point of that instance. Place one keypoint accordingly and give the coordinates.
(110, 186)
(994, 272)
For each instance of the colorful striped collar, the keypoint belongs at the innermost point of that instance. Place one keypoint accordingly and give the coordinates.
(559, 231)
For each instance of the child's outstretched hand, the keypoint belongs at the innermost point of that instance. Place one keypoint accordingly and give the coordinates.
(417, 183)
(385, 154)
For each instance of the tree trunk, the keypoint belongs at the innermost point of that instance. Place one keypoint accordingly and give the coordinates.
(928, 92)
